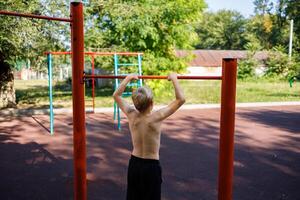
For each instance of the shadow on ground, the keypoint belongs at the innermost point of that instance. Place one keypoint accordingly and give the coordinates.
(267, 157)
(29, 171)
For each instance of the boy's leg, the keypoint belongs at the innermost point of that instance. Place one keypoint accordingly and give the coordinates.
(152, 176)
(133, 181)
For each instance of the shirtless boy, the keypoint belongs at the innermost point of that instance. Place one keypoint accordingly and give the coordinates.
(144, 170)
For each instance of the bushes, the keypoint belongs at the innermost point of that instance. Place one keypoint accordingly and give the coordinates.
(278, 65)
(246, 67)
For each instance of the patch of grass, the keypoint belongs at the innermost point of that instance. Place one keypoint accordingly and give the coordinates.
(266, 91)
(34, 93)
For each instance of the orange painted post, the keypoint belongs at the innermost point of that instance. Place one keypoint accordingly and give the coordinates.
(227, 123)
(79, 135)
(93, 82)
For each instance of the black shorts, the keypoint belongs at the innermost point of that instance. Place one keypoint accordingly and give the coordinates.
(143, 179)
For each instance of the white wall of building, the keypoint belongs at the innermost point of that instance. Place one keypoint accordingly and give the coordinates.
(204, 71)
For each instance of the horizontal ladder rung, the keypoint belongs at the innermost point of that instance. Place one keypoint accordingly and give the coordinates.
(128, 64)
(122, 75)
(133, 84)
(127, 93)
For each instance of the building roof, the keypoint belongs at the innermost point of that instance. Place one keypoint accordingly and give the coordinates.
(213, 58)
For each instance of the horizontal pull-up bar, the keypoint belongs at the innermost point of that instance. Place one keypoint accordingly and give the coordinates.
(2, 12)
(113, 53)
(97, 53)
(154, 77)
(58, 53)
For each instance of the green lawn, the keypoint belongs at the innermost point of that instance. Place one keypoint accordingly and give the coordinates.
(34, 93)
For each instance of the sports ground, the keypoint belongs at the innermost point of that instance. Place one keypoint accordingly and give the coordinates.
(35, 165)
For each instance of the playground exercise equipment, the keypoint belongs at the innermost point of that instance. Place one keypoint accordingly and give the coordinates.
(79, 134)
(92, 55)
(117, 67)
(49, 63)
(227, 120)
(155, 77)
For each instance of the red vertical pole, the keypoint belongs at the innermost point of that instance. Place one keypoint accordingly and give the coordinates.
(79, 135)
(229, 70)
(93, 82)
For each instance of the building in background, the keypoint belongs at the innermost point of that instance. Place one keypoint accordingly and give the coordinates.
(209, 62)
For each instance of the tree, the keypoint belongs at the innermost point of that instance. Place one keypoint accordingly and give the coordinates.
(155, 27)
(221, 30)
(22, 39)
(262, 7)
(260, 28)
(269, 25)
(280, 65)
(292, 11)
(247, 66)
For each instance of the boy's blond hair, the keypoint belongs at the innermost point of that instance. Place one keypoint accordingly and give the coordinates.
(142, 98)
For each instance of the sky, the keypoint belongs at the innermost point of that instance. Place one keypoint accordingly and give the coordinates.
(245, 7)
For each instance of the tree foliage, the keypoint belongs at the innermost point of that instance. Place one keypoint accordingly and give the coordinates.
(22, 39)
(262, 7)
(246, 67)
(155, 27)
(280, 65)
(267, 28)
(270, 24)
(221, 30)
(292, 11)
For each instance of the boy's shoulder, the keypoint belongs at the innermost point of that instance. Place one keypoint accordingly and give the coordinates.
(132, 111)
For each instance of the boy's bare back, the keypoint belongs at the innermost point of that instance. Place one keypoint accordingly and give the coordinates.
(145, 135)
(145, 125)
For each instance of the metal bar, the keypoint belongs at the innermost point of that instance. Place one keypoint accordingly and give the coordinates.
(49, 61)
(227, 123)
(2, 12)
(128, 64)
(96, 53)
(116, 62)
(155, 77)
(291, 38)
(116, 84)
(79, 129)
(58, 53)
(113, 53)
(140, 68)
(93, 82)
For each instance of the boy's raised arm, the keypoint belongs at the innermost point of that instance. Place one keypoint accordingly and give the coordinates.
(124, 105)
(174, 105)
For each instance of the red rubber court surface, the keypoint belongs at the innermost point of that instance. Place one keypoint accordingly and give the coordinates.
(35, 165)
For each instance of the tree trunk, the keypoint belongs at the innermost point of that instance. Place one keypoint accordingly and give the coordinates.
(7, 91)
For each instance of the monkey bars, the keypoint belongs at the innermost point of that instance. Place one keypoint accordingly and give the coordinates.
(49, 55)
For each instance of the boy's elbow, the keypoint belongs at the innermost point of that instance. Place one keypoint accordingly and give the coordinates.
(182, 101)
(115, 95)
